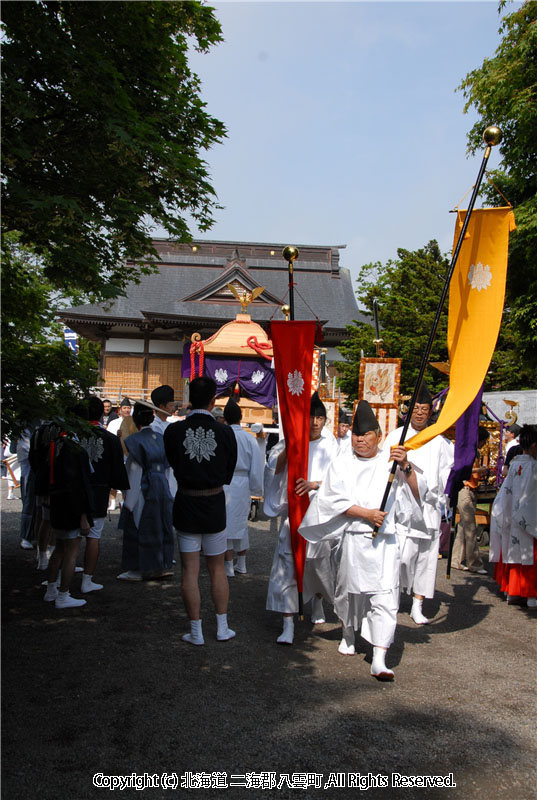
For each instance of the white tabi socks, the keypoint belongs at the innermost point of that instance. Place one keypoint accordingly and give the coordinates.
(195, 636)
(317, 611)
(51, 593)
(88, 585)
(416, 612)
(223, 633)
(346, 645)
(230, 572)
(240, 566)
(288, 633)
(379, 670)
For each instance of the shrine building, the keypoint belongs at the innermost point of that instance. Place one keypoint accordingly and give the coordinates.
(143, 334)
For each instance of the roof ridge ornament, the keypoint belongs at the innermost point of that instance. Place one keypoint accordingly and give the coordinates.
(245, 298)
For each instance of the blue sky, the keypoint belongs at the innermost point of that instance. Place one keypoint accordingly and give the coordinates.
(344, 126)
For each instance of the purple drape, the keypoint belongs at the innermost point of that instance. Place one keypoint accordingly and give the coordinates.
(466, 438)
(254, 375)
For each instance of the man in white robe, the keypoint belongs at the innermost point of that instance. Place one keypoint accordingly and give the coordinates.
(282, 595)
(347, 505)
(247, 482)
(419, 546)
(344, 431)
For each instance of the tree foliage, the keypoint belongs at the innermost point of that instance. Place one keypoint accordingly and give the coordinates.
(407, 291)
(503, 91)
(41, 377)
(102, 131)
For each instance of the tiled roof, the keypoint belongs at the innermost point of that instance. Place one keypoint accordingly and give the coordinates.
(322, 290)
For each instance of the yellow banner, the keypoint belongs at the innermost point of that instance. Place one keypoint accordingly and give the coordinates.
(476, 295)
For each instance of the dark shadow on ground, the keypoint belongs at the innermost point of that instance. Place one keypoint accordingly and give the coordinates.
(111, 688)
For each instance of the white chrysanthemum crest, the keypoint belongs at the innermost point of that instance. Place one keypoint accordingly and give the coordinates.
(295, 382)
(479, 276)
(200, 444)
(94, 447)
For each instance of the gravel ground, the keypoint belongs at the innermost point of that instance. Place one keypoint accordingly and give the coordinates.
(110, 689)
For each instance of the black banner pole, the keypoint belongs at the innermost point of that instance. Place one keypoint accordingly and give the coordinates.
(491, 136)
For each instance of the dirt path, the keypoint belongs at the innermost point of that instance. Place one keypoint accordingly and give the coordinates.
(111, 690)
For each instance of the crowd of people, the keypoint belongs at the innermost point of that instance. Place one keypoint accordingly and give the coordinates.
(189, 474)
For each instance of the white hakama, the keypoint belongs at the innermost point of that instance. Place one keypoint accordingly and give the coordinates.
(282, 593)
(368, 575)
(247, 481)
(419, 546)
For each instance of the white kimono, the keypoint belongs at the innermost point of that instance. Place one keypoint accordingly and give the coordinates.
(282, 592)
(513, 522)
(368, 575)
(345, 443)
(419, 546)
(247, 481)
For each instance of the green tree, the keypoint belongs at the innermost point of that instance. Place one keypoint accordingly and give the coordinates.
(41, 377)
(503, 90)
(103, 132)
(103, 126)
(407, 290)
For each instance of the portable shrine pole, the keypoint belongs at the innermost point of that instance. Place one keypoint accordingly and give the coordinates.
(491, 136)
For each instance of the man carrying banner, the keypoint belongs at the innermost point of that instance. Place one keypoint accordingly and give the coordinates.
(282, 595)
(419, 547)
(347, 505)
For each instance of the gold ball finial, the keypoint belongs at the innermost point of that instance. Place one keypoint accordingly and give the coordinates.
(290, 253)
(492, 135)
(286, 310)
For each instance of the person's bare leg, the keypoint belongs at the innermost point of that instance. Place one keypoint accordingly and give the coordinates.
(219, 583)
(190, 567)
(55, 562)
(91, 555)
(53, 570)
(70, 553)
(220, 595)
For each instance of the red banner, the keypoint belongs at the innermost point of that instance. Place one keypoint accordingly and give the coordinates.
(292, 344)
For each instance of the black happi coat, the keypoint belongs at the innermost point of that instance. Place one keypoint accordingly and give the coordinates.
(203, 454)
(106, 456)
(71, 494)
